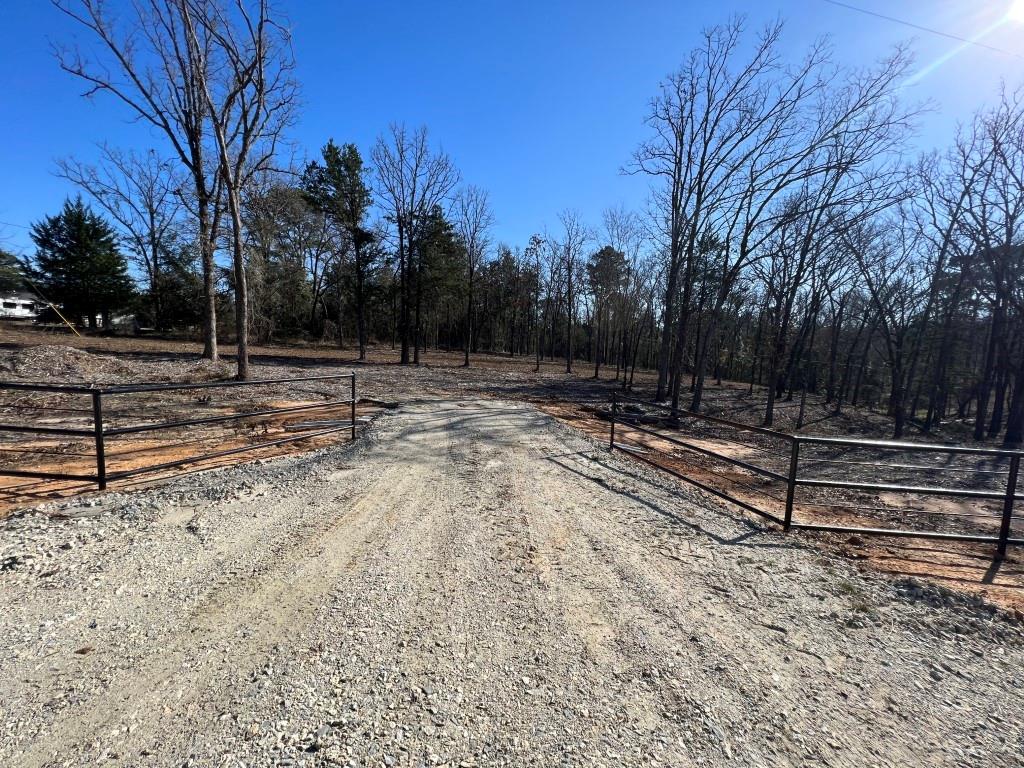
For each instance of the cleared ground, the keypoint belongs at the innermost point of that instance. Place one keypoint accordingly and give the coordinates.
(475, 584)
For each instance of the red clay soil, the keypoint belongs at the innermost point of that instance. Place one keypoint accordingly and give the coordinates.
(148, 449)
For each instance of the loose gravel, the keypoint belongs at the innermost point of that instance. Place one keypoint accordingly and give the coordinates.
(473, 584)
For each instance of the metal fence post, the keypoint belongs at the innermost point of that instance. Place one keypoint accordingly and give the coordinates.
(1011, 492)
(97, 423)
(615, 405)
(353, 405)
(794, 460)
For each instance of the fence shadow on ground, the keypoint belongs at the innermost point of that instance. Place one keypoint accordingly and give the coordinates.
(746, 538)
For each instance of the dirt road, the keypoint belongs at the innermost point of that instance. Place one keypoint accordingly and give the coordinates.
(473, 584)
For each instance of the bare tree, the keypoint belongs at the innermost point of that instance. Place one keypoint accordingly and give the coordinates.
(836, 157)
(896, 276)
(140, 192)
(994, 223)
(411, 180)
(251, 102)
(575, 237)
(473, 219)
(939, 213)
(705, 120)
(534, 256)
(155, 67)
(625, 233)
(735, 133)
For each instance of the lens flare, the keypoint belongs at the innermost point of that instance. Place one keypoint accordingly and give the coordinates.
(1016, 12)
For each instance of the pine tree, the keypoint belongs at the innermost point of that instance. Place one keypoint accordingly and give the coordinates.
(11, 275)
(338, 188)
(79, 265)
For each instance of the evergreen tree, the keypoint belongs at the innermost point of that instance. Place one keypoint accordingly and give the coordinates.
(338, 188)
(11, 275)
(180, 285)
(78, 263)
(438, 254)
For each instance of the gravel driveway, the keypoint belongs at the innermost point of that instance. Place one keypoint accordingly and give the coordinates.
(473, 584)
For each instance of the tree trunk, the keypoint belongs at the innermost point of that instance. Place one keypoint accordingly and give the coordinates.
(844, 382)
(985, 385)
(403, 271)
(806, 374)
(777, 350)
(540, 326)
(897, 403)
(417, 341)
(755, 355)
(360, 304)
(469, 316)
(241, 288)
(569, 325)
(681, 329)
(833, 352)
(999, 401)
(668, 320)
(700, 364)
(209, 281)
(1015, 418)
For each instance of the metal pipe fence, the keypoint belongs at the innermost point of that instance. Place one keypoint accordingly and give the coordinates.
(801, 469)
(100, 433)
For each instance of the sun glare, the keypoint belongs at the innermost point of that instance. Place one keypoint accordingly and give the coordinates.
(1016, 12)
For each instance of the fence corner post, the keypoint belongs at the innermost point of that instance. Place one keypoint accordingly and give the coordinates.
(353, 405)
(611, 438)
(794, 461)
(97, 424)
(1011, 493)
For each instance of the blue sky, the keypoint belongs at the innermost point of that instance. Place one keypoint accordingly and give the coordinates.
(541, 103)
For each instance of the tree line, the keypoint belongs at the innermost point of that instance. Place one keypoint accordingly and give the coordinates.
(789, 241)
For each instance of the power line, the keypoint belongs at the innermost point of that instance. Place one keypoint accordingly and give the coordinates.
(923, 28)
(12, 224)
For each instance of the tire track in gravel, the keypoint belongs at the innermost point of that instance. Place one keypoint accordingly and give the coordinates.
(456, 639)
(524, 660)
(507, 638)
(266, 608)
(741, 635)
(454, 634)
(371, 613)
(217, 551)
(605, 616)
(641, 611)
(427, 625)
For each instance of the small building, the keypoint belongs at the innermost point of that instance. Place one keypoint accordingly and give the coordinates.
(18, 306)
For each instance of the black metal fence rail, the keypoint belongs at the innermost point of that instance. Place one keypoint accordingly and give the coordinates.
(997, 477)
(764, 472)
(100, 433)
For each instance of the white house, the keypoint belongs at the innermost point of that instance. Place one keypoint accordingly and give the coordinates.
(18, 306)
